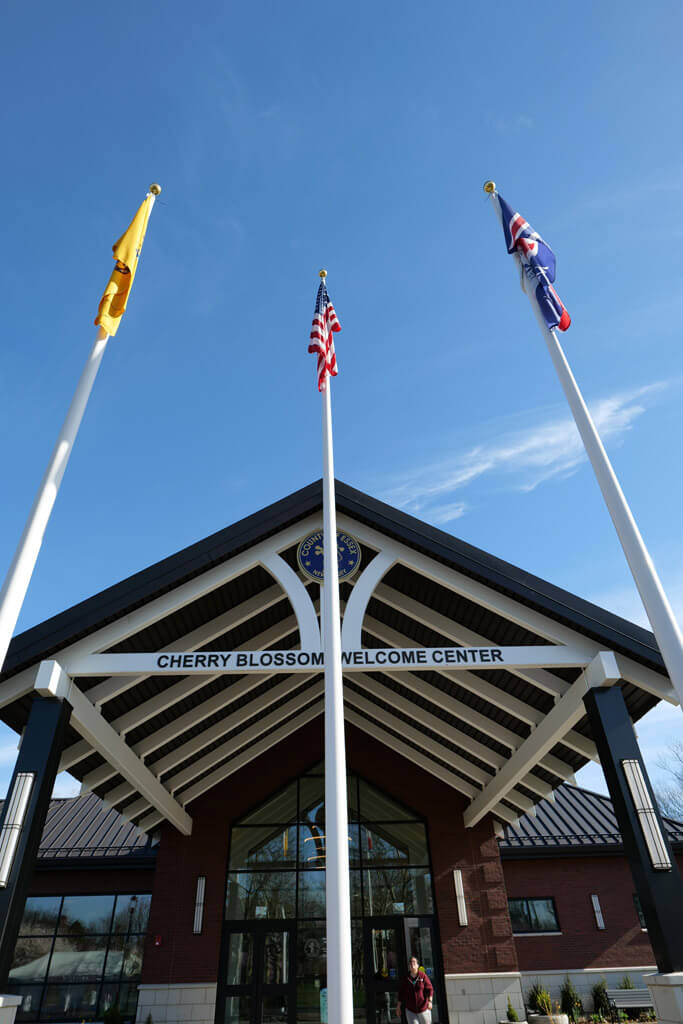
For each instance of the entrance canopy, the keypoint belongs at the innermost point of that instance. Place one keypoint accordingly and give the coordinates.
(196, 699)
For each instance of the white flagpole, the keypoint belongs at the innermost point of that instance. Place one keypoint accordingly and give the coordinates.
(20, 571)
(664, 626)
(337, 891)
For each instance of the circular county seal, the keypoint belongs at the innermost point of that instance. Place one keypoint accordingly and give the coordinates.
(309, 555)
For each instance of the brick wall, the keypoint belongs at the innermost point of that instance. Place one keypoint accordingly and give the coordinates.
(570, 881)
(486, 945)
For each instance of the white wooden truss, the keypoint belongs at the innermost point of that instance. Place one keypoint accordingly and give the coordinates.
(159, 754)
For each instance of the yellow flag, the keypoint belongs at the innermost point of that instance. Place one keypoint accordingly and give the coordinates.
(126, 253)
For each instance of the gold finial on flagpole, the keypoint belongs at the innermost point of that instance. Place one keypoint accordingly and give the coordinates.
(155, 189)
(322, 273)
(489, 187)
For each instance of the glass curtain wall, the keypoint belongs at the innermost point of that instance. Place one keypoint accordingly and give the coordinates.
(78, 955)
(277, 872)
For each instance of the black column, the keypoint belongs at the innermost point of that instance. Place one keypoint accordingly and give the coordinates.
(39, 753)
(660, 891)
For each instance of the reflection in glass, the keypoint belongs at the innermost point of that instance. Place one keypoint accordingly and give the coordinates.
(238, 1010)
(311, 894)
(312, 801)
(398, 891)
(125, 995)
(265, 845)
(30, 1001)
(132, 913)
(274, 1009)
(240, 958)
(40, 915)
(533, 915)
(31, 958)
(280, 808)
(257, 895)
(276, 958)
(376, 806)
(312, 845)
(311, 970)
(70, 1001)
(86, 950)
(86, 914)
(78, 959)
(395, 843)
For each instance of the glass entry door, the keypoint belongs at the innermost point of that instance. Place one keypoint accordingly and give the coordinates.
(257, 974)
(389, 944)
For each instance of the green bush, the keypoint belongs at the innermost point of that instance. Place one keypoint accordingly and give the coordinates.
(626, 982)
(538, 999)
(512, 1013)
(600, 1000)
(570, 1000)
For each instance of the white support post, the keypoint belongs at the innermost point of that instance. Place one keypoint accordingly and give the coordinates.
(337, 890)
(656, 604)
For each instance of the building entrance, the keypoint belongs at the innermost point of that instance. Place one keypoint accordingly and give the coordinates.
(274, 953)
(259, 981)
(389, 942)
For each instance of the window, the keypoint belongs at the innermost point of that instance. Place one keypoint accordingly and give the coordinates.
(77, 955)
(533, 915)
(277, 855)
(639, 911)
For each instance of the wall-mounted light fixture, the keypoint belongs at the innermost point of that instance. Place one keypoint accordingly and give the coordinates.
(17, 806)
(647, 816)
(199, 905)
(597, 910)
(460, 897)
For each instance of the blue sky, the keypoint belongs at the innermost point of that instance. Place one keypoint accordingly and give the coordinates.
(289, 137)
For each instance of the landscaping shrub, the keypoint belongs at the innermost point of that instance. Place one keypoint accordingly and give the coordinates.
(538, 999)
(600, 1000)
(570, 1000)
(512, 1013)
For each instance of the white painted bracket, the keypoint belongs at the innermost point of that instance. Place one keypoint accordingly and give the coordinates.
(602, 671)
(53, 681)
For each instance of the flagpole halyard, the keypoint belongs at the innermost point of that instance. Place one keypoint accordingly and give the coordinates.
(21, 569)
(657, 607)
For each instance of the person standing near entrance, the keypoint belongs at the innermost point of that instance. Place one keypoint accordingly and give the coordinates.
(416, 994)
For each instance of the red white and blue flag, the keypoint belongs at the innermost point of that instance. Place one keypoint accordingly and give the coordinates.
(325, 323)
(538, 262)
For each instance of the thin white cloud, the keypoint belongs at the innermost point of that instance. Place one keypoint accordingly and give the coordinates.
(447, 513)
(520, 461)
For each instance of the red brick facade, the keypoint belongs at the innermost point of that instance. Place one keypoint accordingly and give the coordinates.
(486, 945)
(174, 955)
(570, 881)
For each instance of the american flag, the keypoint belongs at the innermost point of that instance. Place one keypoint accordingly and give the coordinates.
(322, 343)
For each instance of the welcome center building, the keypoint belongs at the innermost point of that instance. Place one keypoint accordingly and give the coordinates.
(188, 881)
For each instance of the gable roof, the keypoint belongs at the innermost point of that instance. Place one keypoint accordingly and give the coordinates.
(42, 640)
(155, 743)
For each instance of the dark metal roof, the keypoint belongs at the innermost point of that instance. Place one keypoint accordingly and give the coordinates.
(82, 828)
(615, 633)
(578, 821)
